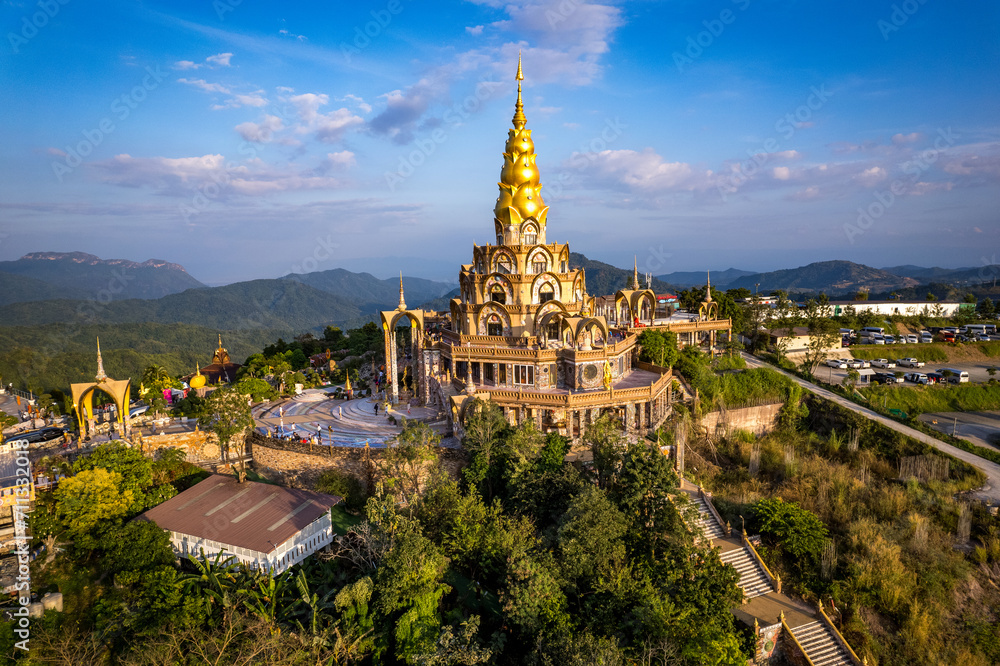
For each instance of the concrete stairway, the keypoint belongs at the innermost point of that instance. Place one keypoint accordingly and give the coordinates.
(706, 520)
(752, 578)
(820, 646)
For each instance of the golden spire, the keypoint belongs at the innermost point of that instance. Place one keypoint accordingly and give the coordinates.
(101, 376)
(402, 302)
(519, 120)
(708, 287)
(520, 186)
(197, 369)
(635, 272)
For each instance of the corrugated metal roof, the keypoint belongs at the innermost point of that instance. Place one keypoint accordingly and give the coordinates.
(256, 516)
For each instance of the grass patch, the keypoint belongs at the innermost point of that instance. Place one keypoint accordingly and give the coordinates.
(342, 521)
(938, 398)
(928, 353)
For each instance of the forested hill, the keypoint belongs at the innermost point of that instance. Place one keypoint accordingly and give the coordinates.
(604, 279)
(368, 292)
(276, 304)
(82, 275)
(833, 277)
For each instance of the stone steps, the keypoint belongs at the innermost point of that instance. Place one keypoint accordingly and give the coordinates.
(819, 644)
(752, 578)
(706, 520)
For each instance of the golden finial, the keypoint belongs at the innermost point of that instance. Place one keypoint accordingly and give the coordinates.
(708, 287)
(519, 119)
(220, 340)
(101, 375)
(635, 272)
(402, 302)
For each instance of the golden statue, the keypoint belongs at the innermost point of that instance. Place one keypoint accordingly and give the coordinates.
(607, 374)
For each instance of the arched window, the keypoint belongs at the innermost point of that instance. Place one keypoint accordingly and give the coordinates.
(546, 293)
(494, 326)
(530, 236)
(552, 330)
(562, 266)
(505, 265)
(499, 239)
(498, 295)
(539, 264)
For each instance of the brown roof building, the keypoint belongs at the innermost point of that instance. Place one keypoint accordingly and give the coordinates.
(262, 526)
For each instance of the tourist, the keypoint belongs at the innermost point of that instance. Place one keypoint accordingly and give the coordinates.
(376, 409)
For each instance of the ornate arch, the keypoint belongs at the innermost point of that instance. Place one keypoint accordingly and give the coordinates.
(492, 309)
(83, 399)
(503, 281)
(528, 227)
(546, 278)
(578, 288)
(636, 300)
(499, 254)
(456, 315)
(549, 262)
(585, 326)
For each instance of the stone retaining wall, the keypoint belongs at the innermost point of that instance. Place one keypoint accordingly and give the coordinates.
(294, 464)
(760, 419)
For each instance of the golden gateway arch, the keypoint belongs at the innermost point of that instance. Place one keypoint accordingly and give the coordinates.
(83, 399)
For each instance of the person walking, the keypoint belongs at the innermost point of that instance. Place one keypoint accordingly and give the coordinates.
(376, 409)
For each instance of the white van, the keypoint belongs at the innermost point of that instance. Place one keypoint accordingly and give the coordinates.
(873, 329)
(957, 376)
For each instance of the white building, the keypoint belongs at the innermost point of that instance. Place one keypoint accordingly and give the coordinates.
(262, 526)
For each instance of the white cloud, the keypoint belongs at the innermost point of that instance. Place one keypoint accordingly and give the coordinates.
(328, 127)
(781, 173)
(308, 104)
(219, 59)
(900, 139)
(182, 176)
(362, 104)
(644, 171)
(871, 176)
(475, 31)
(186, 64)
(344, 158)
(204, 86)
(286, 33)
(261, 132)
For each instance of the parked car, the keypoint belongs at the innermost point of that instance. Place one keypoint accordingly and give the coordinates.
(837, 363)
(916, 378)
(909, 363)
(934, 378)
(138, 410)
(912, 339)
(887, 378)
(883, 363)
(855, 364)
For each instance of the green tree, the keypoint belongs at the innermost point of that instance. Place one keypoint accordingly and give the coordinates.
(135, 471)
(823, 336)
(91, 498)
(255, 387)
(227, 414)
(800, 532)
(590, 537)
(658, 347)
(135, 546)
(404, 464)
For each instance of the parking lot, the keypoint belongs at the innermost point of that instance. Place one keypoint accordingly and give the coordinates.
(978, 373)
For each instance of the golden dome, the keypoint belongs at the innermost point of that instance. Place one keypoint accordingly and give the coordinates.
(199, 379)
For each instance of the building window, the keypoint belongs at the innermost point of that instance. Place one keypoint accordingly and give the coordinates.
(562, 267)
(498, 295)
(530, 237)
(539, 265)
(494, 326)
(488, 373)
(546, 293)
(524, 375)
(504, 267)
(499, 239)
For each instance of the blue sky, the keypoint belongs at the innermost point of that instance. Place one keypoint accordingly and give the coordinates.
(254, 139)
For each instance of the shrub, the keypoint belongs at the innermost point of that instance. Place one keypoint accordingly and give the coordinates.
(799, 531)
(335, 482)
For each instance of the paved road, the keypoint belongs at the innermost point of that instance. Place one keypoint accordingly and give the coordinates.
(991, 491)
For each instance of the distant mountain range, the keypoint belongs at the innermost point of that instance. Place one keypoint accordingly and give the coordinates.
(687, 279)
(44, 275)
(79, 289)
